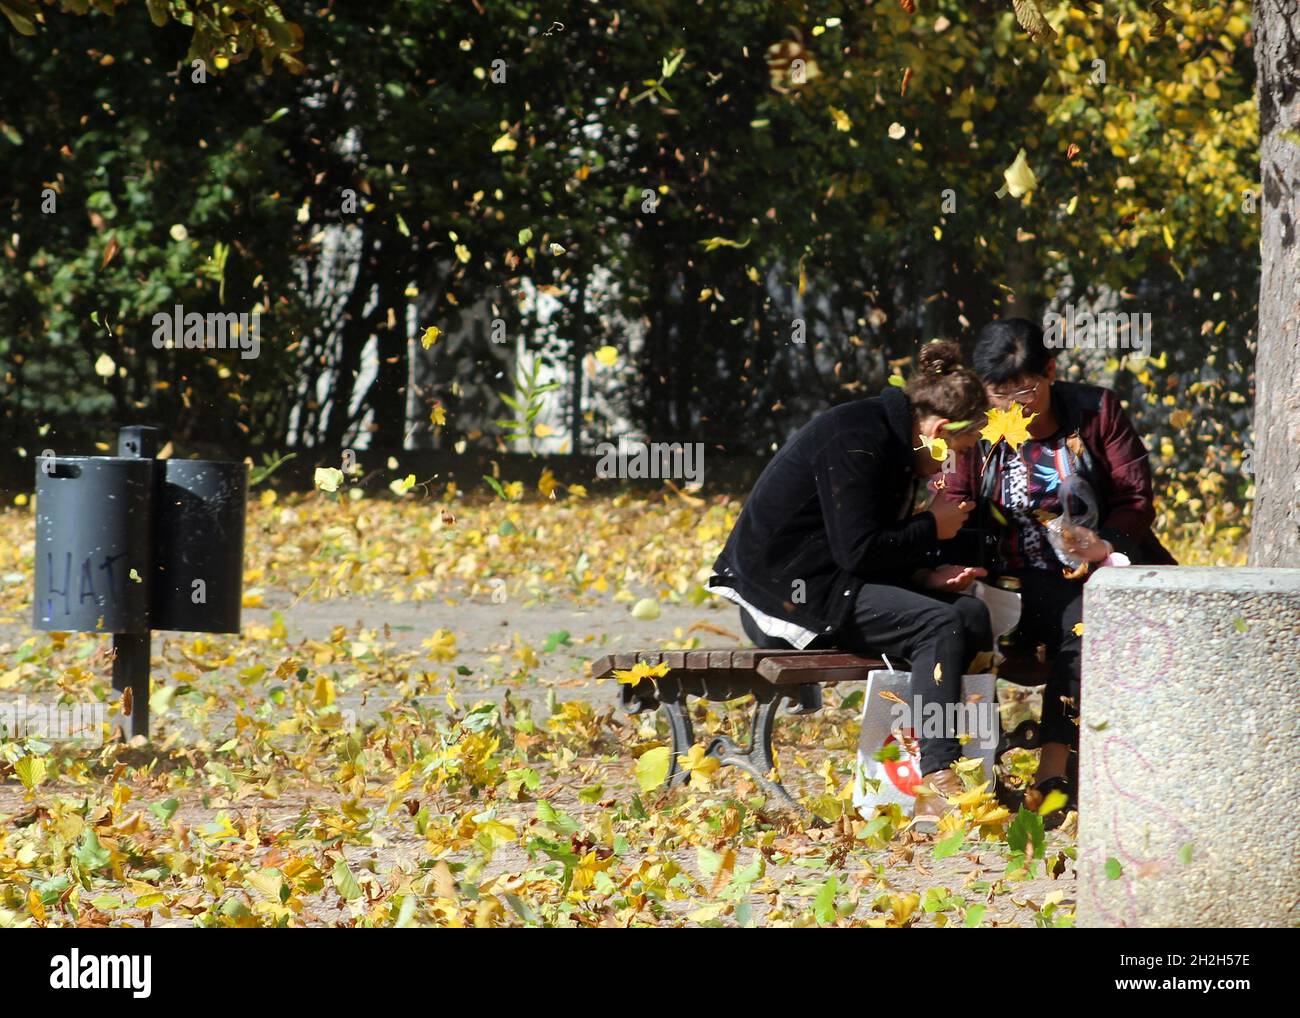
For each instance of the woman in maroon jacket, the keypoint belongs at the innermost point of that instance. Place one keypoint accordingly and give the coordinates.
(1082, 447)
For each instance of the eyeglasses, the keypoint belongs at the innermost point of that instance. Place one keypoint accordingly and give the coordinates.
(1020, 396)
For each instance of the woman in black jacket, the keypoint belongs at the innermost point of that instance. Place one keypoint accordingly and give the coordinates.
(829, 552)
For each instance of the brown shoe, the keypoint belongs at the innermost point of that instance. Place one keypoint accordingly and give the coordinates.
(932, 798)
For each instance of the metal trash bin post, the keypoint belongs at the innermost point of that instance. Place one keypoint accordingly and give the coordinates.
(129, 543)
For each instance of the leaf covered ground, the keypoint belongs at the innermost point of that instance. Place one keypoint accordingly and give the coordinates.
(406, 734)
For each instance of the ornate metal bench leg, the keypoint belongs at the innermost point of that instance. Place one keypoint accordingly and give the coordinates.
(679, 724)
(807, 699)
(756, 761)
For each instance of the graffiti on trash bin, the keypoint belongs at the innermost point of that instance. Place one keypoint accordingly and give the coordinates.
(86, 585)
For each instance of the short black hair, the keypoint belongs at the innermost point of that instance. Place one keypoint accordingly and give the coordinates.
(1010, 348)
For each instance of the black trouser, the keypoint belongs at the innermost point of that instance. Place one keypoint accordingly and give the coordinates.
(927, 629)
(1050, 607)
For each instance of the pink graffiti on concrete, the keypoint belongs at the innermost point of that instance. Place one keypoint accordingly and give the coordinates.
(1126, 670)
(1102, 772)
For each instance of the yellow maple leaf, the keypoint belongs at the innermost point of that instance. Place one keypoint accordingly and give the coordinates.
(437, 416)
(640, 670)
(1010, 426)
(442, 645)
(700, 766)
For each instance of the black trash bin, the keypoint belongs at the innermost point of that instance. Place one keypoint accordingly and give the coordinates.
(198, 578)
(94, 548)
(130, 543)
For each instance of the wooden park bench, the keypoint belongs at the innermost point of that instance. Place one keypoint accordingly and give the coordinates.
(771, 677)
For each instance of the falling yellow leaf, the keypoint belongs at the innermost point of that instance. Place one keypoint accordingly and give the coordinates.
(328, 478)
(1019, 178)
(505, 144)
(546, 484)
(402, 486)
(842, 121)
(437, 416)
(652, 767)
(607, 355)
(1033, 20)
(104, 366)
(430, 336)
(1055, 800)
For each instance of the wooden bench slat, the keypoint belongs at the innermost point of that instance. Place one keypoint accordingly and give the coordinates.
(785, 670)
(771, 665)
(749, 657)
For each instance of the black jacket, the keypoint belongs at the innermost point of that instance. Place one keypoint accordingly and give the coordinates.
(829, 513)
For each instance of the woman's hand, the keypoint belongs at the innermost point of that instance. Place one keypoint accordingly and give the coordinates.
(953, 578)
(1083, 543)
(949, 515)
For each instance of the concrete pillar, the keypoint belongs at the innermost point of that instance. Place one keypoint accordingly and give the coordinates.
(1189, 762)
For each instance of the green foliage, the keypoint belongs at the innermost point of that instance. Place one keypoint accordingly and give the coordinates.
(656, 171)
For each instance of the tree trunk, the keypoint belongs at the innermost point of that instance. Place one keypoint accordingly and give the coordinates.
(1275, 531)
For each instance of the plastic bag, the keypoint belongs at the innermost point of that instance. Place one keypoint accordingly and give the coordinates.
(1078, 509)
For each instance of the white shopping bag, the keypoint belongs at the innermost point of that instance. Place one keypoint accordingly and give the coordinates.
(886, 722)
(1004, 611)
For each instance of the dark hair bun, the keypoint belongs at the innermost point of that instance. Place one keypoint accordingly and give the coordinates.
(938, 357)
